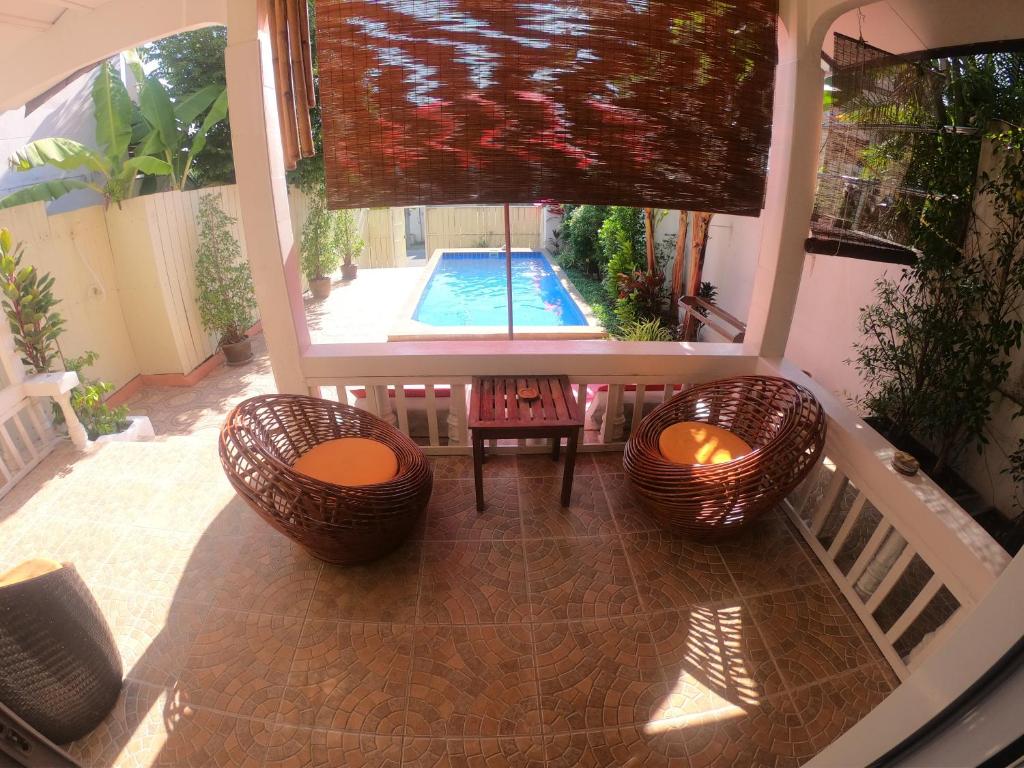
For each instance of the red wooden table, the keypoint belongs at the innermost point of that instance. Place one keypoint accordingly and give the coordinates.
(498, 409)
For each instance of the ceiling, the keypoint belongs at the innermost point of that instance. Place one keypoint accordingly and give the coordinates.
(20, 20)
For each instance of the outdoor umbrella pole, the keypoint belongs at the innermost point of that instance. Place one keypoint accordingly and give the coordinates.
(508, 269)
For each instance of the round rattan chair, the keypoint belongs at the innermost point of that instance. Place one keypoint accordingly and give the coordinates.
(781, 422)
(262, 438)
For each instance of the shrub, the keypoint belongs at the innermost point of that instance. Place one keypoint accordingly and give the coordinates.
(649, 330)
(28, 303)
(349, 240)
(97, 417)
(320, 244)
(622, 244)
(227, 301)
(580, 231)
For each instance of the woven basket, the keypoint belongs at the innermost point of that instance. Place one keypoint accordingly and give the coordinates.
(264, 436)
(780, 420)
(60, 671)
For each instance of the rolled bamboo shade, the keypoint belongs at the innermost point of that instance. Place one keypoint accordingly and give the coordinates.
(629, 102)
(293, 76)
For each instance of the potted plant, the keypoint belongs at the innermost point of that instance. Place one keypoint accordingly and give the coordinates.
(227, 301)
(349, 242)
(320, 246)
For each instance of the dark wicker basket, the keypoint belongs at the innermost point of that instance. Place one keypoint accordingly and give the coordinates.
(60, 671)
(264, 436)
(781, 421)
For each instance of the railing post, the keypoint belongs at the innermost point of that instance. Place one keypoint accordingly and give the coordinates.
(457, 416)
(381, 403)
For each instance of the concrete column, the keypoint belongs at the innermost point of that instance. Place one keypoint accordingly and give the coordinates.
(791, 181)
(263, 192)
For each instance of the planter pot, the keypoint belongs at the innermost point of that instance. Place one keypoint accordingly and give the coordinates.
(348, 271)
(320, 287)
(139, 428)
(239, 353)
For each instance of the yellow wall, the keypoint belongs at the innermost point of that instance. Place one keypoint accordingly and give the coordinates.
(75, 249)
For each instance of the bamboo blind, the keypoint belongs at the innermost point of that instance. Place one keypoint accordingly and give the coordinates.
(633, 102)
(293, 75)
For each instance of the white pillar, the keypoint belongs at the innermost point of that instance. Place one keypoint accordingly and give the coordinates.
(263, 192)
(796, 127)
(457, 416)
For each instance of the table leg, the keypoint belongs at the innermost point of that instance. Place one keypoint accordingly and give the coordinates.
(478, 471)
(570, 466)
(556, 447)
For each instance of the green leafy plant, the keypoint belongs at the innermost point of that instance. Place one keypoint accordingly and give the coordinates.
(646, 293)
(580, 229)
(646, 330)
(113, 167)
(321, 239)
(28, 303)
(350, 242)
(622, 242)
(175, 131)
(226, 298)
(96, 416)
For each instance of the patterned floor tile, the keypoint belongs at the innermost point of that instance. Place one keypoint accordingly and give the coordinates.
(767, 556)
(672, 572)
(630, 517)
(240, 662)
(768, 734)
(271, 574)
(452, 515)
(154, 634)
(456, 467)
(545, 517)
(831, 708)
(293, 747)
(133, 733)
(607, 462)
(811, 634)
(714, 649)
(473, 682)
(473, 582)
(510, 752)
(350, 676)
(542, 465)
(629, 747)
(199, 738)
(585, 578)
(597, 674)
(385, 590)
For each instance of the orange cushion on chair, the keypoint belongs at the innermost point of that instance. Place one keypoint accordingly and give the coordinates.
(694, 442)
(29, 570)
(349, 461)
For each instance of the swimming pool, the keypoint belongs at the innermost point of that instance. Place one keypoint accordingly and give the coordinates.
(467, 288)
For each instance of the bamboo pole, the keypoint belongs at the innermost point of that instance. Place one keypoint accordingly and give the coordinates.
(283, 83)
(307, 53)
(305, 128)
(677, 266)
(698, 250)
(508, 269)
(649, 231)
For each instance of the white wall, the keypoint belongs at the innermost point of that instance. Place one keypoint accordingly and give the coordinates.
(731, 259)
(67, 114)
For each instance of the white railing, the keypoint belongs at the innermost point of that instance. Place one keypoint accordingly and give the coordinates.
(909, 560)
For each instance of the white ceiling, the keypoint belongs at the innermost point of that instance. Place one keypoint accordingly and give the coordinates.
(22, 19)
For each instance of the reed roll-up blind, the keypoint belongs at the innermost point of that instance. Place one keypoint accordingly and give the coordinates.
(628, 102)
(293, 76)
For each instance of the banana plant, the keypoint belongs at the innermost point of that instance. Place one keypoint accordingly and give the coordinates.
(167, 128)
(112, 168)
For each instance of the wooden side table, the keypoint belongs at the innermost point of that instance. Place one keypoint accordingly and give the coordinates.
(498, 409)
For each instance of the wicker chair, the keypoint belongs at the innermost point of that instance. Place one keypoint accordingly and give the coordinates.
(262, 438)
(782, 423)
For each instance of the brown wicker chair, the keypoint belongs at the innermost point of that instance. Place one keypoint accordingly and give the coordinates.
(262, 438)
(782, 423)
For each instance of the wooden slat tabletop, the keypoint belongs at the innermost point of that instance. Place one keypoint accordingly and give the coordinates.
(495, 402)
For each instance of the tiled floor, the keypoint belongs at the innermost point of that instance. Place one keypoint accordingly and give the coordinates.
(526, 636)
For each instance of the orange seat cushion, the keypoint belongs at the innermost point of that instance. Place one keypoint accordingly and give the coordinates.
(29, 570)
(694, 442)
(349, 461)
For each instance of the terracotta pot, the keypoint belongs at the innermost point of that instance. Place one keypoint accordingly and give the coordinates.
(348, 271)
(320, 287)
(238, 353)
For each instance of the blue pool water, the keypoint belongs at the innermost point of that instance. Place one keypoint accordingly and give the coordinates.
(469, 289)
